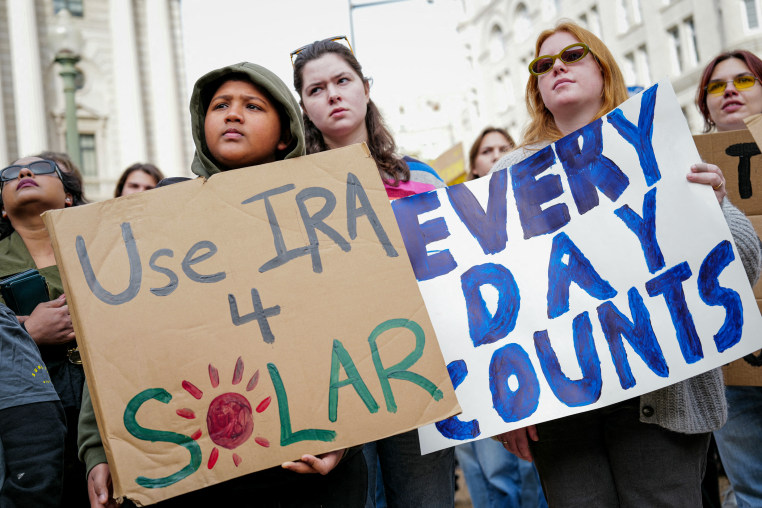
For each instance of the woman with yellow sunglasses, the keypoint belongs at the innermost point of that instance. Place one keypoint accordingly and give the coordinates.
(648, 450)
(730, 91)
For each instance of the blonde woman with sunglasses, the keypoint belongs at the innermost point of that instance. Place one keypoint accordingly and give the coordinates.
(338, 111)
(649, 450)
(728, 92)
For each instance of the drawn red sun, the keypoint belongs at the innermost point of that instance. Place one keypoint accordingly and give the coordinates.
(229, 419)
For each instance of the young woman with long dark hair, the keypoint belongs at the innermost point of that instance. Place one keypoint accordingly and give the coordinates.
(338, 111)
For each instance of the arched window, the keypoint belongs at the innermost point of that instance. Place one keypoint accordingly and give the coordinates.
(751, 12)
(496, 44)
(521, 23)
(73, 6)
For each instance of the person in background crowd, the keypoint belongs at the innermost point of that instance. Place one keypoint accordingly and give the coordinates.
(494, 477)
(649, 450)
(243, 115)
(138, 178)
(728, 92)
(32, 422)
(66, 164)
(338, 111)
(30, 186)
(491, 144)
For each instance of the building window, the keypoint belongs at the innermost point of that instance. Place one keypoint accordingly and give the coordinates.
(691, 50)
(644, 70)
(496, 44)
(521, 23)
(630, 74)
(622, 19)
(510, 92)
(595, 21)
(752, 14)
(549, 8)
(501, 97)
(73, 6)
(675, 50)
(89, 165)
(583, 20)
(636, 14)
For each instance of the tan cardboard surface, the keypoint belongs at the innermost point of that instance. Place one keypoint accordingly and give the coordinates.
(746, 371)
(450, 165)
(174, 344)
(737, 154)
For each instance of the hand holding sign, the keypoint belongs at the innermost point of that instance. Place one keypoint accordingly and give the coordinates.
(709, 174)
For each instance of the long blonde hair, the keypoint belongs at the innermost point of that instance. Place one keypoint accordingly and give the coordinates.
(542, 126)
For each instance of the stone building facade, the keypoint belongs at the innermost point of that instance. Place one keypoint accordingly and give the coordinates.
(650, 39)
(131, 97)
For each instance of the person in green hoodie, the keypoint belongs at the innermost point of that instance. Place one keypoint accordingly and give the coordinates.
(243, 115)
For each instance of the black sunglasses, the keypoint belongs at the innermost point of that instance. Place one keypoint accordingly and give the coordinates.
(41, 167)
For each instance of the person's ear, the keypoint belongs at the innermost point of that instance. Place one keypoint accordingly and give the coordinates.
(282, 145)
(367, 90)
(68, 201)
(304, 110)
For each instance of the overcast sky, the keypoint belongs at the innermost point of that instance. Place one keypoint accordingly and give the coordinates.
(408, 47)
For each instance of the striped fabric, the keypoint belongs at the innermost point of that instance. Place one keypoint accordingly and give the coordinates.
(422, 179)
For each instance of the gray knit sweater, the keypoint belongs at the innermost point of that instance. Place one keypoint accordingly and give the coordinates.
(697, 404)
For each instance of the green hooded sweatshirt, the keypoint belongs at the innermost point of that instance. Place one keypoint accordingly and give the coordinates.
(203, 162)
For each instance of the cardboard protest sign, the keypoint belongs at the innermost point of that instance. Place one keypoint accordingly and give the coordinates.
(450, 165)
(232, 324)
(589, 273)
(738, 156)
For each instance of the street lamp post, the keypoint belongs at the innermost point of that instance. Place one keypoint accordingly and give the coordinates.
(67, 59)
(67, 41)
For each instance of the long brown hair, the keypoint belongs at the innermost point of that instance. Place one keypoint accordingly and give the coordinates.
(64, 162)
(542, 126)
(751, 60)
(145, 167)
(380, 140)
(474, 151)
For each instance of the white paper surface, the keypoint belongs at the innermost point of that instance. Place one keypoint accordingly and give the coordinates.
(688, 225)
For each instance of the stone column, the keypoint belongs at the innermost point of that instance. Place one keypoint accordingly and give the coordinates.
(130, 118)
(4, 155)
(165, 114)
(29, 99)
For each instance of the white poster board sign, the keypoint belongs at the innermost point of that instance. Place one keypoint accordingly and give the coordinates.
(590, 273)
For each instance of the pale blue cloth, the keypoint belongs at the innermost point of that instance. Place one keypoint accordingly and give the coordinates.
(498, 479)
(740, 444)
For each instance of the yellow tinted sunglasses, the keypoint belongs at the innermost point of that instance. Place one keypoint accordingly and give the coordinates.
(739, 82)
(570, 54)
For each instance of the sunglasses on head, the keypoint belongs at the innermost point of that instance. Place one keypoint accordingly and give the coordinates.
(339, 38)
(41, 167)
(570, 54)
(739, 82)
